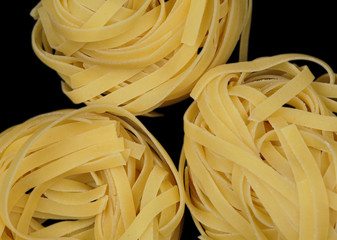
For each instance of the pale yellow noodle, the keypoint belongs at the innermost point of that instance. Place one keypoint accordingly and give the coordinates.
(138, 55)
(259, 159)
(91, 173)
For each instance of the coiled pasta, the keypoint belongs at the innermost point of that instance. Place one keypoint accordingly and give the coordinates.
(138, 55)
(91, 173)
(260, 151)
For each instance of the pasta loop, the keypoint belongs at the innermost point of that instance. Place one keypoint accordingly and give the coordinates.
(91, 173)
(138, 55)
(259, 159)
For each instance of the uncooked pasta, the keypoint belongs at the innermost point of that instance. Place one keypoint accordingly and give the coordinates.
(260, 151)
(91, 173)
(138, 55)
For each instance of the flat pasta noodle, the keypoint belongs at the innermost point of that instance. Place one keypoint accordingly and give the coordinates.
(138, 55)
(259, 159)
(91, 173)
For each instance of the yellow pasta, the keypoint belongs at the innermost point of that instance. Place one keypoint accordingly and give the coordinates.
(259, 159)
(138, 55)
(91, 173)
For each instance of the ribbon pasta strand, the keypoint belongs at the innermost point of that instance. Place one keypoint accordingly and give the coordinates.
(259, 159)
(138, 55)
(91, 173)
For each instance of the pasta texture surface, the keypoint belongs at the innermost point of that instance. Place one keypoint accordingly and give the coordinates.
(259, 159)
(91, 173)
(137, 54)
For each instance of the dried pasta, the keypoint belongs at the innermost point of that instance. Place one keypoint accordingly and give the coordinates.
(138, 55)
(91, 173)
(259, 159)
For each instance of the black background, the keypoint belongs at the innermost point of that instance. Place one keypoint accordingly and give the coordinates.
(29, 88)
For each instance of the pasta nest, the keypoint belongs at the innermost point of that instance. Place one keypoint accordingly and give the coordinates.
(259, 159)
(138, 55)
(91, 173)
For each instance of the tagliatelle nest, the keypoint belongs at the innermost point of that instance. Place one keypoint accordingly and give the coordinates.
(260, 151)
(91, 173)
(139, 54)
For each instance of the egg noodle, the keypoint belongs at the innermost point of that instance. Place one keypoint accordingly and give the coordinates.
(138, 55)
(91, 173)
(259, 158)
